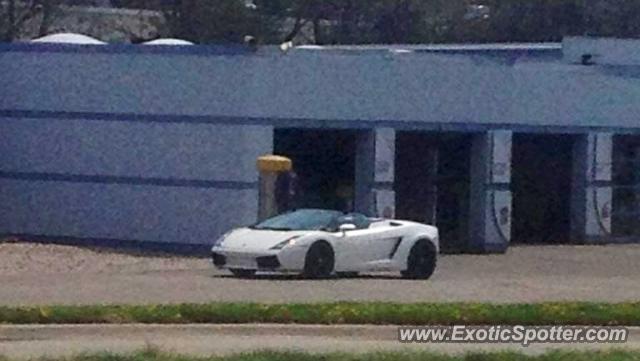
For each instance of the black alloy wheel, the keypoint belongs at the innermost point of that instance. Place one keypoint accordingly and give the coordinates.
(422, 261)
(319, 261)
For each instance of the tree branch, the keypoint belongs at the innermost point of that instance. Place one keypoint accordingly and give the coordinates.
(29, 13)
(297, 26)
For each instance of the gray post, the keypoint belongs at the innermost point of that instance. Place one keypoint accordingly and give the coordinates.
(374, 173)
(490, 203)
(635, 165)
(591, 197)
(431, 205)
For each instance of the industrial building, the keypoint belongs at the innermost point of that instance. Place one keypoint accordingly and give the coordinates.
(495, 144)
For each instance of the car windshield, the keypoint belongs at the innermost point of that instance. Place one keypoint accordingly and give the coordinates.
(300, 220)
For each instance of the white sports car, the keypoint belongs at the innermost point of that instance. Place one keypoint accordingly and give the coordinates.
(318, 243)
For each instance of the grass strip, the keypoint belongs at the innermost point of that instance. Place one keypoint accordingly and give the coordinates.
(560, 313)
(613, 355)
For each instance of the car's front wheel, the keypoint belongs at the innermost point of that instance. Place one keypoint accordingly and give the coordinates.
(319, 261)
(244, 273)
(422, 261)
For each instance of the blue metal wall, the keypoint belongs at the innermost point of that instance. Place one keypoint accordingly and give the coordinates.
(322, 87)
(120, 174)
(159, 144)
(169, 182)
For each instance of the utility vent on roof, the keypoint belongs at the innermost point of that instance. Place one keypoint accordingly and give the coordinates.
(601, 51)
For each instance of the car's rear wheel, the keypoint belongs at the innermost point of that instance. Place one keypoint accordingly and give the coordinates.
(244, 273)
(319, 261)
(422, 261)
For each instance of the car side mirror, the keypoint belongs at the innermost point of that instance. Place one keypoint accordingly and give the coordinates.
(347, 227)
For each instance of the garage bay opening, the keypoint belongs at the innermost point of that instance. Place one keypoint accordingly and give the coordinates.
(626, 187)
(324, 163)
(541, 184)
(432, 179)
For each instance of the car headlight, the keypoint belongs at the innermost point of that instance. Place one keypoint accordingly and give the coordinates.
(289, 242)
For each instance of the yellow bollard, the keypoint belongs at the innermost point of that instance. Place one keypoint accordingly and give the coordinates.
(269, 167)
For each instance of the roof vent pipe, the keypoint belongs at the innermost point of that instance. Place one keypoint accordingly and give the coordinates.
(587, 59)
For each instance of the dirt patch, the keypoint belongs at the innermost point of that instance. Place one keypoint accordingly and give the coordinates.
(36, 258)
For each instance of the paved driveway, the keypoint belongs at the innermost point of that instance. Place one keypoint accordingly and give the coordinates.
(45, 274)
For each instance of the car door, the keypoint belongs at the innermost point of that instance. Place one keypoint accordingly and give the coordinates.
(352, 250)
(381, 239)
(383, 242)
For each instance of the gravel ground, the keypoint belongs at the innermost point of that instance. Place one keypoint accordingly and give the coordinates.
(47, 274)
(17, 258)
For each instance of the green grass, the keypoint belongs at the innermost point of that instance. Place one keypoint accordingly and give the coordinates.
(567, 313)
(377, 356)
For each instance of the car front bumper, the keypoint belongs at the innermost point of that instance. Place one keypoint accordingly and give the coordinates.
(289, 259)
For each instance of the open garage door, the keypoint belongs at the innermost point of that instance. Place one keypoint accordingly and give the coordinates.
(432, 183)
(541, 186)
(324, 161)
(625, 217)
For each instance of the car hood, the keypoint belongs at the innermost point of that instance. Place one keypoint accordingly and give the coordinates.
(257, 239)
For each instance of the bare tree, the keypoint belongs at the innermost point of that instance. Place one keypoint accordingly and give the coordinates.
(16, 15)
(48, 8)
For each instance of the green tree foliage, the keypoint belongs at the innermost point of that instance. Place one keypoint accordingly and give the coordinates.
(537, 20)
(619, 18)
(396, 21)
(219, 21)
